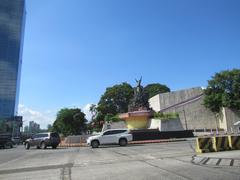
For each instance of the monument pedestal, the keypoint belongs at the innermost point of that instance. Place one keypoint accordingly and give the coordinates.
(136, 119)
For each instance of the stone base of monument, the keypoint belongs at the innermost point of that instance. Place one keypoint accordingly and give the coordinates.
(166, 124)
(137, 119)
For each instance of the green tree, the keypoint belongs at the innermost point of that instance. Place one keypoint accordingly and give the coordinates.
(93, 111)
(96, 122)
(112, 118)
(115, 99)
(70, 121)
(156, 88)
(223, 90)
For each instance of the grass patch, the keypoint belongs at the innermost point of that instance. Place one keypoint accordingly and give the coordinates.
(166, 116)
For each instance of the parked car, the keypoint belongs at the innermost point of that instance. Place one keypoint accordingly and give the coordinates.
(43, 140)
(111, 136)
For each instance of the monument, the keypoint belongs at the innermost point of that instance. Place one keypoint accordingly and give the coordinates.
(140, 99)
(139, 112)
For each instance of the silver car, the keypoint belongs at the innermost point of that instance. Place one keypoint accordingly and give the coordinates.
(43, 140)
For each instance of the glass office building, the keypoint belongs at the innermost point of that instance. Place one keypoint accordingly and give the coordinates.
(12, 21)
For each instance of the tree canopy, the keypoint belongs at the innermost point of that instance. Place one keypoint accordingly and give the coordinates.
(70, 121)
(156, 88)
(223, 90)
(116, 99)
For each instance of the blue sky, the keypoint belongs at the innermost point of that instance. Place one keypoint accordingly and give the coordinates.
(74, 49)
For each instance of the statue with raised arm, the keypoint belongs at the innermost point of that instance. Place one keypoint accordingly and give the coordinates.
(138, 82)
(139, 88)
(140, 99)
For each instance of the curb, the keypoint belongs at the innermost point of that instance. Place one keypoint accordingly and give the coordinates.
(73, 145)
(132, 142)
(156, 141)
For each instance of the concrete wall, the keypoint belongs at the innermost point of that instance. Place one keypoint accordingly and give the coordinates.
(193, 115)
(154, 123)
(164, 100)
(228, 118)
(171, 125)
(154, 103)
(114, 125)
(222, 122)
(76, 139)
(166, 125)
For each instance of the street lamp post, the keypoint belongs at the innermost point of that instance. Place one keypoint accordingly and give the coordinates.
(185, 118)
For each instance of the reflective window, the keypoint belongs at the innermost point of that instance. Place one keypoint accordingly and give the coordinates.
(12, 19)
(114, 132)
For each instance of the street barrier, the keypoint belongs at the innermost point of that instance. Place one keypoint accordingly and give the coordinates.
(204, 144)
(221, 143)
(234, 142)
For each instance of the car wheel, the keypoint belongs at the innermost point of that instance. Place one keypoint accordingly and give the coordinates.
(43, 145)
(122, 142)
(27, 145)
(54, 147)
(95, 144)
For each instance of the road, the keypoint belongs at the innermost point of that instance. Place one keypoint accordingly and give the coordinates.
(175, 160)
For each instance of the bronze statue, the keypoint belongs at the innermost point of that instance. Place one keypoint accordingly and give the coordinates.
(138, 82)
(140, 99)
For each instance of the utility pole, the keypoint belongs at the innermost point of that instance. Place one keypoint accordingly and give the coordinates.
(185, 118)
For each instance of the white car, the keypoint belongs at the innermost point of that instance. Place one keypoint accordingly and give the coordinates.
(110, 136)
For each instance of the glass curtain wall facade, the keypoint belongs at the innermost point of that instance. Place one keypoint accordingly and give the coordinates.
(12, 21)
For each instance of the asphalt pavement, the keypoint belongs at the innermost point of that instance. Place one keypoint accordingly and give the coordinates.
(171, 160)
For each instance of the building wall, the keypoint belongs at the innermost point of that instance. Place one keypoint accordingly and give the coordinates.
(166, 125)
(192, 114)
(195, 116)
(228, 118)
(175, 97)
(12, 19)
(114, 125)
(154, 103)
(154, 123)
(222, 119)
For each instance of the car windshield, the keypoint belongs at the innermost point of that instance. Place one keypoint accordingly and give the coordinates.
(111, 132)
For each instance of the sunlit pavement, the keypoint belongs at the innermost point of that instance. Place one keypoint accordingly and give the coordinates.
(173, 160)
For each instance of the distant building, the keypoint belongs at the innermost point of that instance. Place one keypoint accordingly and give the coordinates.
(193, 115)
(33, 127)
(12, 21)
